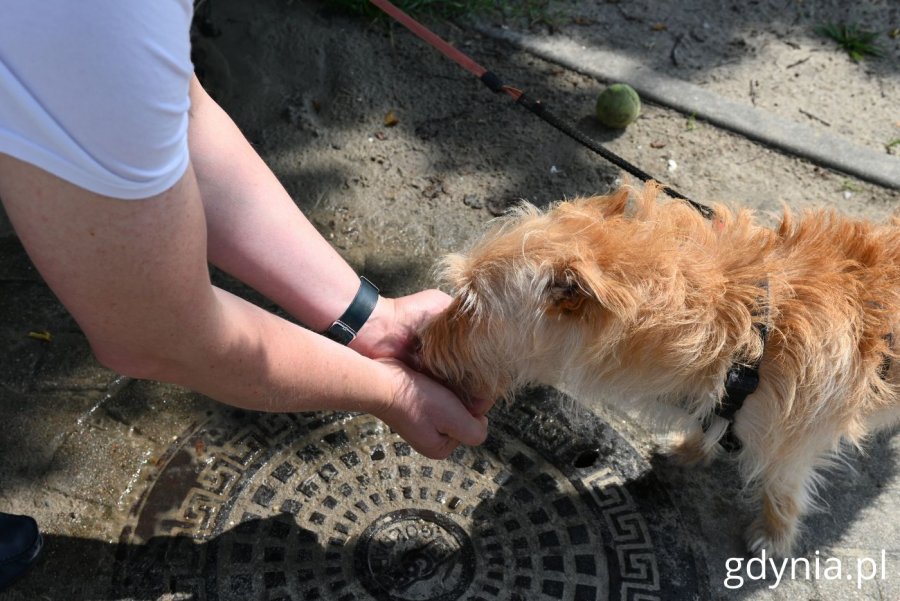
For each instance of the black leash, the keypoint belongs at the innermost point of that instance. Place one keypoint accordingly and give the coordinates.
(495, 84)
(540, 109)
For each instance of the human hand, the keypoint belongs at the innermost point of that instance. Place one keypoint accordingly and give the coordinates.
(392, 332)
(392, 328)
(427, 415)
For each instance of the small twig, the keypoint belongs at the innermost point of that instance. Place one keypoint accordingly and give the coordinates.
(752, 159)
(819, 119)
(674, 48)
(799, 62)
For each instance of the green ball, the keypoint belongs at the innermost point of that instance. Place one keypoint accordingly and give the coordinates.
(618, 106)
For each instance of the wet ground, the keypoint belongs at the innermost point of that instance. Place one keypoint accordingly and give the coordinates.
(148, 491)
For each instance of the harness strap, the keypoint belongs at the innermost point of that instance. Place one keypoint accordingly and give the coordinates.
(741, 381)
(886, 362)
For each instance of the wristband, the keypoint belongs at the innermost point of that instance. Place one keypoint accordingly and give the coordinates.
(348, 325)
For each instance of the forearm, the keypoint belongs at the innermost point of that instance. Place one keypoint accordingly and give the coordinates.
(255, 231)
(244, 356)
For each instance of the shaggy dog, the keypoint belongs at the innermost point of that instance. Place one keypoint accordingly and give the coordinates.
(651, 304)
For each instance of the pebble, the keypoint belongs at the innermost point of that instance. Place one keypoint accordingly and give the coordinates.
(498, 206)
(474, 201)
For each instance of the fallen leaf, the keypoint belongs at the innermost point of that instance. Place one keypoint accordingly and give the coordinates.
(391, 119)
(659, 27)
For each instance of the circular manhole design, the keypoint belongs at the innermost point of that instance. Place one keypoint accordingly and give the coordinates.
(415, 555)
(337, 507)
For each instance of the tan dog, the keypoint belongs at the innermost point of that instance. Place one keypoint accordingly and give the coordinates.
(649, 304)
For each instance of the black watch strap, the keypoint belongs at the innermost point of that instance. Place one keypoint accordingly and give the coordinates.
(348, 325)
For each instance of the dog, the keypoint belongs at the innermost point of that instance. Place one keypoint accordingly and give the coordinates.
(650, 304)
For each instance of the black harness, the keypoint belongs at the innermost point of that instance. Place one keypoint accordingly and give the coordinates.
(886, 362)
(741, 381)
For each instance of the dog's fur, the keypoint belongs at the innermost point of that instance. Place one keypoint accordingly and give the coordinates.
(648, 303)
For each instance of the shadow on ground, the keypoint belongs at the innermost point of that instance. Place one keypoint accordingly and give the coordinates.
(557, 509)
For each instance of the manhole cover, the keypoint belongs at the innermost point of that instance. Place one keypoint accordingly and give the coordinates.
(337, 507)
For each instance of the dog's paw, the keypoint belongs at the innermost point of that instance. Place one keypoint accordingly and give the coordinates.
(691, 452)
(763, 538)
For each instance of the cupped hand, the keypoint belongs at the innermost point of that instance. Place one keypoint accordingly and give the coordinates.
(392, 332)
(392, 329)
(428, 416)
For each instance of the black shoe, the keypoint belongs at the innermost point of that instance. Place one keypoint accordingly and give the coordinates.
(20, 546)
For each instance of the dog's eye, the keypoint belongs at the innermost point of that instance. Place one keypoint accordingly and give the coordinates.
(562, 290)
(567, 297)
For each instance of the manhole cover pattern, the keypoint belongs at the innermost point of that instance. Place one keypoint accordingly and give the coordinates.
(337, 507)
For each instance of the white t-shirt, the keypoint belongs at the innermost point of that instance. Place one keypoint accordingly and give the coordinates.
(96, 91)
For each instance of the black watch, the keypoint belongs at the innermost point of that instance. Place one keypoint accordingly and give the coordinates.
(348, 325)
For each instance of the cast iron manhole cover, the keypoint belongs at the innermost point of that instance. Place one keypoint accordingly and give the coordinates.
(336, 507)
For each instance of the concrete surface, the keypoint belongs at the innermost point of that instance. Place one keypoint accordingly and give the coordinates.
(814, 144)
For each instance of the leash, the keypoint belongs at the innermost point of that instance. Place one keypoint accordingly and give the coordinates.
(496, 85)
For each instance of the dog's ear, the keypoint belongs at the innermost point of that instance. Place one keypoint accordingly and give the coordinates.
(578, 286)
(574, 285)
(453, 270)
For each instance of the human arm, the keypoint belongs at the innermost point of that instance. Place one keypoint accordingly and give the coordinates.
(257, 234)
(134, 276)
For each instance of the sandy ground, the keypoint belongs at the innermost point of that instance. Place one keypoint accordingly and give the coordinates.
(313, 89)
(459, 155)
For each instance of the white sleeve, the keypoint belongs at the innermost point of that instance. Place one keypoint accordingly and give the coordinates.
(97, 92)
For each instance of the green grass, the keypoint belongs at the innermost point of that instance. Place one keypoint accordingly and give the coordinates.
(534, 11)
(858, 43)
(849, 186)
(691, 124)
(892, 144)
